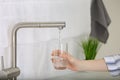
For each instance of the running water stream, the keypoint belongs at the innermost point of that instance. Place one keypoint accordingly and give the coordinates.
(59, 45)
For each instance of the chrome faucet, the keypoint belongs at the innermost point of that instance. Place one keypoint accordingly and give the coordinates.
(14, 71)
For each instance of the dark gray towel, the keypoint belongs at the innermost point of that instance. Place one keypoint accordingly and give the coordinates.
(99, 21)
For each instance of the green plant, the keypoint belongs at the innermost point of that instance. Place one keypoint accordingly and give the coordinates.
(90, 48)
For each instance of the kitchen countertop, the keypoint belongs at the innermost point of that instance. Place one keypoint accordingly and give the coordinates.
(86, 76)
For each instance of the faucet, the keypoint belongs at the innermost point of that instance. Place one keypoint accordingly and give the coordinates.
(12, 72)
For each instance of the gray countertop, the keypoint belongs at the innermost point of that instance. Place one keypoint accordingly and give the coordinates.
(86, 76)
(79, 76)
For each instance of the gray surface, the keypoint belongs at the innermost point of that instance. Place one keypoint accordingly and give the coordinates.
(83, 76)
(87, 76)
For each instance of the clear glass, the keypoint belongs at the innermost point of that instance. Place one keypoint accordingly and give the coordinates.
(60, 63)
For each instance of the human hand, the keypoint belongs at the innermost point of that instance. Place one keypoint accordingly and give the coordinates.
(70, 61)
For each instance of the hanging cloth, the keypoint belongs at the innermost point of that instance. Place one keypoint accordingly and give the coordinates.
(100, 21)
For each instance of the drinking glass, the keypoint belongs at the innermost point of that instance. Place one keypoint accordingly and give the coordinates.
(59, 62)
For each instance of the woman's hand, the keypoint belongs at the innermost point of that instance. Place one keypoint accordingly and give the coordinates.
(80, 65)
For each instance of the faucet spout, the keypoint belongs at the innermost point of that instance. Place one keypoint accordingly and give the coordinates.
(59, 25)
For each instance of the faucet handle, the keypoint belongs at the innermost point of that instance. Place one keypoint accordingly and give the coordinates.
(9, 73)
